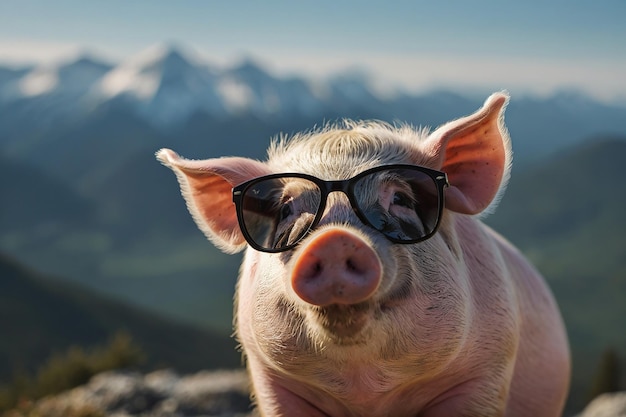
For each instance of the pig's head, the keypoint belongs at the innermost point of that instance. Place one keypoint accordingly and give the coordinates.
(368, 271)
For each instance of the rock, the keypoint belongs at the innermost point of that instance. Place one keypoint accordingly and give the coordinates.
(606, 405)
(158, 394)
(204, 394)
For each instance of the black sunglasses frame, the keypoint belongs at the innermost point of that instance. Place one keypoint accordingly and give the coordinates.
(347, 187)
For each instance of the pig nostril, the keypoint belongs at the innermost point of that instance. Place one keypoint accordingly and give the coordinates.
(350, 266)
(336, 267)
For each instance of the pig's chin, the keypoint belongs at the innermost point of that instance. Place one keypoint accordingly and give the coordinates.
(343, 324)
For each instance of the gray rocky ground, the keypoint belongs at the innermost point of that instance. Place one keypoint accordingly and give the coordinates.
(204, 394)
(157, 394)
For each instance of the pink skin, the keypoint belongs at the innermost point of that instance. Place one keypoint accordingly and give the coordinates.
(337, 267)
(350, 324)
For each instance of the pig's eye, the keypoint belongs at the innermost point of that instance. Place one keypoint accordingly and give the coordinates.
(285, 211)
(402, 200)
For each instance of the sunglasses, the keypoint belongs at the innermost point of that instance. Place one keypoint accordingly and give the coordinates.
(403, 202)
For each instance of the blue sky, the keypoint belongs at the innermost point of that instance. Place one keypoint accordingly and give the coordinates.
(531, 46)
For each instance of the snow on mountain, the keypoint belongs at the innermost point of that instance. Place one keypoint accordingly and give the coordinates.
(248, 87)
(352, 85)
(72, 80)
(235, 94)
(265, 95)
(166, 85)
(94, 110)
(49, 94)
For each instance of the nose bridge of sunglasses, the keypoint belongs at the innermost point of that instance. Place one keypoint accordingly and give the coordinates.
(338, 208)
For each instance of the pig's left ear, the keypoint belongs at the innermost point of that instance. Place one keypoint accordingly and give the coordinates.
(475, 153)
(207, 187)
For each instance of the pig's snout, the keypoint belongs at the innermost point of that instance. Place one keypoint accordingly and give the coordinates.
(336, 267)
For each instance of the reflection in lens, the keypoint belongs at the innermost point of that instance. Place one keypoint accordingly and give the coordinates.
(289, 233)
(277, 212)
(399, 225)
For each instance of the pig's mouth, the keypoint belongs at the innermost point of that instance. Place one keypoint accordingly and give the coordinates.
(343, 323)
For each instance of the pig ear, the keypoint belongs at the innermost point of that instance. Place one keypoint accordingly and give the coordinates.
(207, 188)
(475, 153)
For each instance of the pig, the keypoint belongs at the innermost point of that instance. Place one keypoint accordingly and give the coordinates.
(370, 286)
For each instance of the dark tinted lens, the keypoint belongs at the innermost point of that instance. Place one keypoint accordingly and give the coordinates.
(277, 212)
(402, 203)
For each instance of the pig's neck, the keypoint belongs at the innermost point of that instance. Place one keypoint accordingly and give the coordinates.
(356, 389)
(341, 378)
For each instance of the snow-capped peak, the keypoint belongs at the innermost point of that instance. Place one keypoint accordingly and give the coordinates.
(70, 77)
(167, 84)
(37, 82)
(128, 78)
(141, 76)
(162, 53)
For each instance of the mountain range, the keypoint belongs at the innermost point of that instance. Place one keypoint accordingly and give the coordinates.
(165, 91)
(166, 87)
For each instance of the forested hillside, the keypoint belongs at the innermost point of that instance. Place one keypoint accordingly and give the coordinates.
(41, 317)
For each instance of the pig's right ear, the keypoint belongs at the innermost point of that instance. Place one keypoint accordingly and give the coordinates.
(207, 188)
(475, 153)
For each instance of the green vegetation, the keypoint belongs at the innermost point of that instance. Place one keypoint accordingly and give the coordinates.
(567, 215)
(70, 369)
(43, 316)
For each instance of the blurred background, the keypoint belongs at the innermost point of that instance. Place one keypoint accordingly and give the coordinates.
(97, 250)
